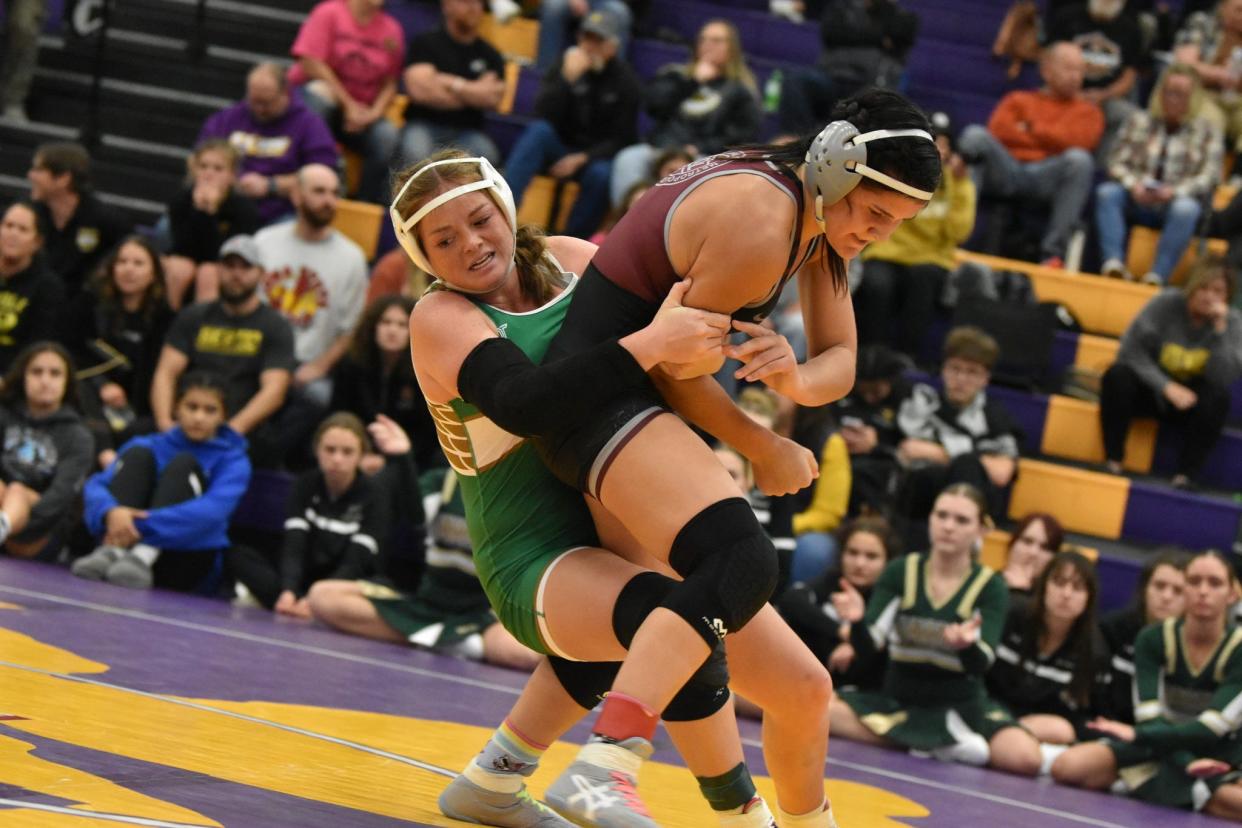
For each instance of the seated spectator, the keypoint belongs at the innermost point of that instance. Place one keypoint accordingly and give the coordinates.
(335, 520)
(1035, 540)
(1207, 41)
(1111, 39)
(276, 135)
(449, 612)
(161, 510)
(810, 607)
(395, 275)
(349, 57)
(557, 16)
(868, 424)
(1188, 681)
(80, 230)
(1162, 171)
(702, 107)
(316, 278)
(587, 110)
(865, 44)
(1177, 360)
(1051, 666)
(240, 339)
(1038, 145)
(669, 162)
(30, 293)
(23, 23)
(940, 616)
(208, 211)
(455, 79)
(46, 453)
(376, 377)
(814, 528)
(775, 514)
(1160, 594)
(904, 275)
(116, 330)
(955, 435)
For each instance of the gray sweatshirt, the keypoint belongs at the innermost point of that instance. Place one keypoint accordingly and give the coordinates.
(1162, 344)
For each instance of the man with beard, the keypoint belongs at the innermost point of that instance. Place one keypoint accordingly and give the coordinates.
(276, 135)
(238, 338)
(315, 278)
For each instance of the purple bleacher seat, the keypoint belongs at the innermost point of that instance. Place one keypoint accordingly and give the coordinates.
(1029, 412)
(1118, 578)
(1157, 514)
(415, 18)
(650, 56)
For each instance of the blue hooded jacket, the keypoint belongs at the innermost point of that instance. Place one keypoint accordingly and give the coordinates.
(200, 523)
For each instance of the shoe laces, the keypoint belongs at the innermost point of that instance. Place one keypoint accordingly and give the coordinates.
(524, 796)
(623, 786)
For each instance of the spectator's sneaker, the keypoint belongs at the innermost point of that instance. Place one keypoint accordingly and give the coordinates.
(1115, 269)
(130, 572)
(464, 800)
(598, 789)
(1054, 262)
(754, 815)
(95, 566)
(1153, 278)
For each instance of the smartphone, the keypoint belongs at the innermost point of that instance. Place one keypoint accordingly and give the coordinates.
(851, 422)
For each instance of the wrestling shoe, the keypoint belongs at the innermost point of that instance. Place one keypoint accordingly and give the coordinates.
(598, 789)
(754, 815)
(464, 800)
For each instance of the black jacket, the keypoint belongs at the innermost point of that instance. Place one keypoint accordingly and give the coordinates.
(598, 113)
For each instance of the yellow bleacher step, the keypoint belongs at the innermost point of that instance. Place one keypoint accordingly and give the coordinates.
(996, 550)
(1072, 430)
(1142, 253)
(1096, 353)
(360, 222)
(518, 39)
(539, 200)
(1093, 503)
(1102, 306)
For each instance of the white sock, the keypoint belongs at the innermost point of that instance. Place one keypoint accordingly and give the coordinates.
(6, 526)
(147, 554)
(753, 814)
(819, 817)
(1048, 754)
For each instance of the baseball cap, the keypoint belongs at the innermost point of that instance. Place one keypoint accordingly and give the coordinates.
(603, 23)
(243, 247)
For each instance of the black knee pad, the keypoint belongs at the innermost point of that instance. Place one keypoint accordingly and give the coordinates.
(705, 692)
(730, 569)
(641, 594)
(586, 682)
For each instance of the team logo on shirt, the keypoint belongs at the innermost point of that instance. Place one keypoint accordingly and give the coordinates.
(252, 145)
(297, 295)
(11, 307)
(695, 168)
(87, 239)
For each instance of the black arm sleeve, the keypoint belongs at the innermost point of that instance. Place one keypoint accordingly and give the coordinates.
(542, 400)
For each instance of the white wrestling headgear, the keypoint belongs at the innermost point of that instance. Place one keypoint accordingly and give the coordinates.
(490, 180)
(836, 163)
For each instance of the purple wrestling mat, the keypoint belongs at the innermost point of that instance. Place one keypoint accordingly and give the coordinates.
(130, 708)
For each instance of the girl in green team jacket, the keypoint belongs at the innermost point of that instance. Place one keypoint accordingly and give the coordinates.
(940, 615)
(1184, 749)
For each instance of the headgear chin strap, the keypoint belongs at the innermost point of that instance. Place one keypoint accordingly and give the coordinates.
(836, 163)
(490, 180)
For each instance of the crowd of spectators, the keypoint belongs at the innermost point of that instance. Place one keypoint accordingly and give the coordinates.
(149, 376)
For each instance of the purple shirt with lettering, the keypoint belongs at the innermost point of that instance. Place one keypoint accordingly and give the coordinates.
(277, 147)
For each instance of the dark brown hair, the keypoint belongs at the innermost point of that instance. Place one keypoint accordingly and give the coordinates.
(1081, 635)
(14, 390)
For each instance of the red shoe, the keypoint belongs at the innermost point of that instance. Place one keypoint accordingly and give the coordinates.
(1055, 262)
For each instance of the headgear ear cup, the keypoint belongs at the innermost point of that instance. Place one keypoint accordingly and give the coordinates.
(836, 162)
(490, 180)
